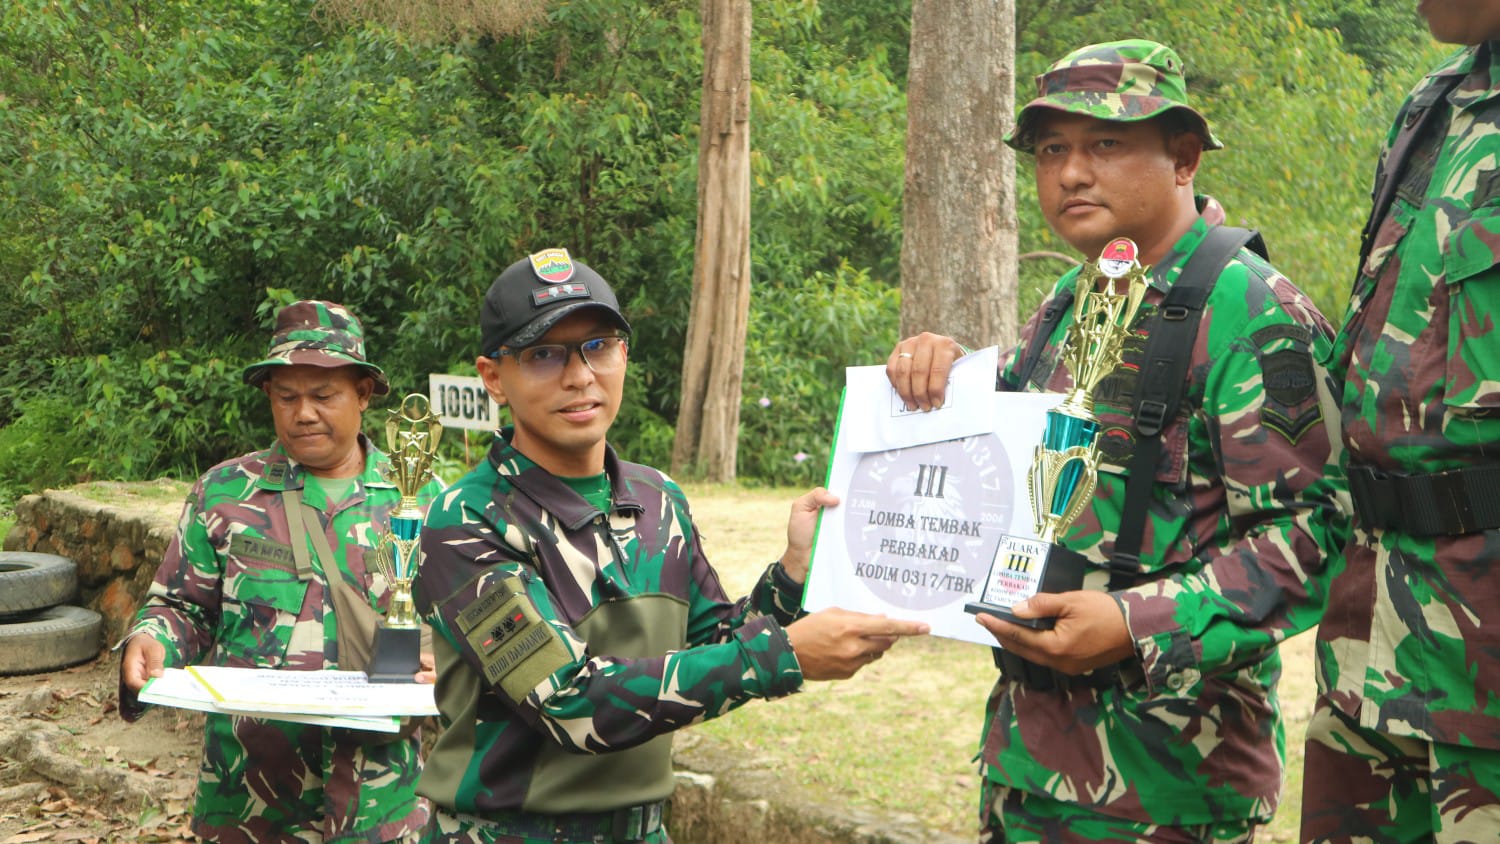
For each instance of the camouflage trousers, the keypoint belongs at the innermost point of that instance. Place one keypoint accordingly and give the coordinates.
(444, 827)
(1009, 815)
(300, 836)
(1360, 784)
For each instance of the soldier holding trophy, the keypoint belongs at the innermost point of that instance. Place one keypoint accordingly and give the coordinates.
(1136, 697)
(272, 567)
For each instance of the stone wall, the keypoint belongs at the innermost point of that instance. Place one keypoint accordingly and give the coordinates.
(117, 533)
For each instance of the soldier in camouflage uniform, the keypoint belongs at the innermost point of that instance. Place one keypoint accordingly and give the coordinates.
(263, 544)
(578, 621)
(1404, 744)
(1161, 722)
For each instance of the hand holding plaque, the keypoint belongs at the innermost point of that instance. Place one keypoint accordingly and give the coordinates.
(412, 434)
(1064, 468)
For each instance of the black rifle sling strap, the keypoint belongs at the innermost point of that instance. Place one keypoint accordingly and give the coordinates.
(1051, 316)
(1416, 120)
(1163, 379)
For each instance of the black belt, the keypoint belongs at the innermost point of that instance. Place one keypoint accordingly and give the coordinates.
(1447, 503)
(629, 823)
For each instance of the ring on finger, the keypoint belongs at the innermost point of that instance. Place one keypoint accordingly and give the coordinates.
(905, 355)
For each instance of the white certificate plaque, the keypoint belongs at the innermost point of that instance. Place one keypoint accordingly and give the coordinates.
(919, 524)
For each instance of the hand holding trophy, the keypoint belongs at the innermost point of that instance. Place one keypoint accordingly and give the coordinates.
(412, 434)
(1064, 468)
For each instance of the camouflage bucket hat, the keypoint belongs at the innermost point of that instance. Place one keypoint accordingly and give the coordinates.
(1119, 80)
(316, 334)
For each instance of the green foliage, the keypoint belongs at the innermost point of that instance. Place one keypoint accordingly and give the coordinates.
(832, 320)
(170, 172)
(182, 407)
(39, 449)
(1380, 32)
(176, 170)
(171, 178)
(1301, 119)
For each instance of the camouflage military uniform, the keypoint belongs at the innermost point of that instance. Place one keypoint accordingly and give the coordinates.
(1187, 733)
(228, 593)
(571, 643)
(1406, 739)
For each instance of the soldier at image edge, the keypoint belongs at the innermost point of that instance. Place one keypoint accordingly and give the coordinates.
(1404, 743)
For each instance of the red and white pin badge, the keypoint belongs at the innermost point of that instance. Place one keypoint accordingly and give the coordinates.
(1117, 258)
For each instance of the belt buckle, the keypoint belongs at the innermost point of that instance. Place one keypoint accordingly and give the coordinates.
(1374, 494)
(1449, 488)
(629, 824)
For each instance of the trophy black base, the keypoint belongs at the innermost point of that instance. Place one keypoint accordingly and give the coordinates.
(1062, 571)
(1004, 614)
(398, 655)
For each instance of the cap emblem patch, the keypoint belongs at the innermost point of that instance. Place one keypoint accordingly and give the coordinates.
(552, 265)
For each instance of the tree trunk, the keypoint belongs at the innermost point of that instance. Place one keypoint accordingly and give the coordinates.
(958, 249)
(713, 361)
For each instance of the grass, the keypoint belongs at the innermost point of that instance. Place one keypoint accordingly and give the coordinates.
(902, 735)
(159, 491)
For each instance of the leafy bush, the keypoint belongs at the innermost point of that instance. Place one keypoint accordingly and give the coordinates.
(41, 448)
(802, 335)
(172, 171)
(149, 413)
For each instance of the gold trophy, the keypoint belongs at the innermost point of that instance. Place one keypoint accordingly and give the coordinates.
(1064, 466)
(411, 435)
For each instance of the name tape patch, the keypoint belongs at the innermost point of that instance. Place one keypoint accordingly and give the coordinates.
(259, 548)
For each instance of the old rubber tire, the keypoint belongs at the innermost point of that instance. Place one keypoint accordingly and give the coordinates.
(56, 637)
(31, 582)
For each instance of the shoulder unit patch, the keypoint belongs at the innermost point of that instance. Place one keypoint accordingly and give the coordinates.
(515, 646)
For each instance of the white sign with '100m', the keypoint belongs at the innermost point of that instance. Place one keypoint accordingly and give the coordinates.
(460, 401)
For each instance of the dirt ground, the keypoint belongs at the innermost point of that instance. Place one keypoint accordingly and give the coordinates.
(72, 770)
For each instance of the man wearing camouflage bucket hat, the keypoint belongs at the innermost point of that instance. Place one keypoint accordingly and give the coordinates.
(270, 568)
(1147, 711)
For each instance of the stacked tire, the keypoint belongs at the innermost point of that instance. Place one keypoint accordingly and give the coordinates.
(39, 630)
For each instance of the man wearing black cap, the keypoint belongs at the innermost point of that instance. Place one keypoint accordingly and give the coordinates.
(578, 622)
(268, 570)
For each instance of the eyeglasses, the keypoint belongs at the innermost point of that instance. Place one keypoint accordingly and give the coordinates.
(603, 355)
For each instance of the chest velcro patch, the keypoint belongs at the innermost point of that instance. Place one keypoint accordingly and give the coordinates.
(277, 555)
(516, 647)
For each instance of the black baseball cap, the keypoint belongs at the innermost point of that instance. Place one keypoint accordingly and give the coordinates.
(531, 295)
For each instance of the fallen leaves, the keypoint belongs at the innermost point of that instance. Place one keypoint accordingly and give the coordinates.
(56, 816)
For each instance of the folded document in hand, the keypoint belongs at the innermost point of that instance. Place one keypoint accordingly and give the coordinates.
(325, 698)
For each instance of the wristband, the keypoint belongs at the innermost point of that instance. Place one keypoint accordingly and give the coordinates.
(783, 581)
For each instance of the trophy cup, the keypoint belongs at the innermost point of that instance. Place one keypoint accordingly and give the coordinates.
(1064, 467)
(411, 435)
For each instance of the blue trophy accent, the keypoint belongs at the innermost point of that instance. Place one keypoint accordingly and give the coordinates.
(407, 528)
